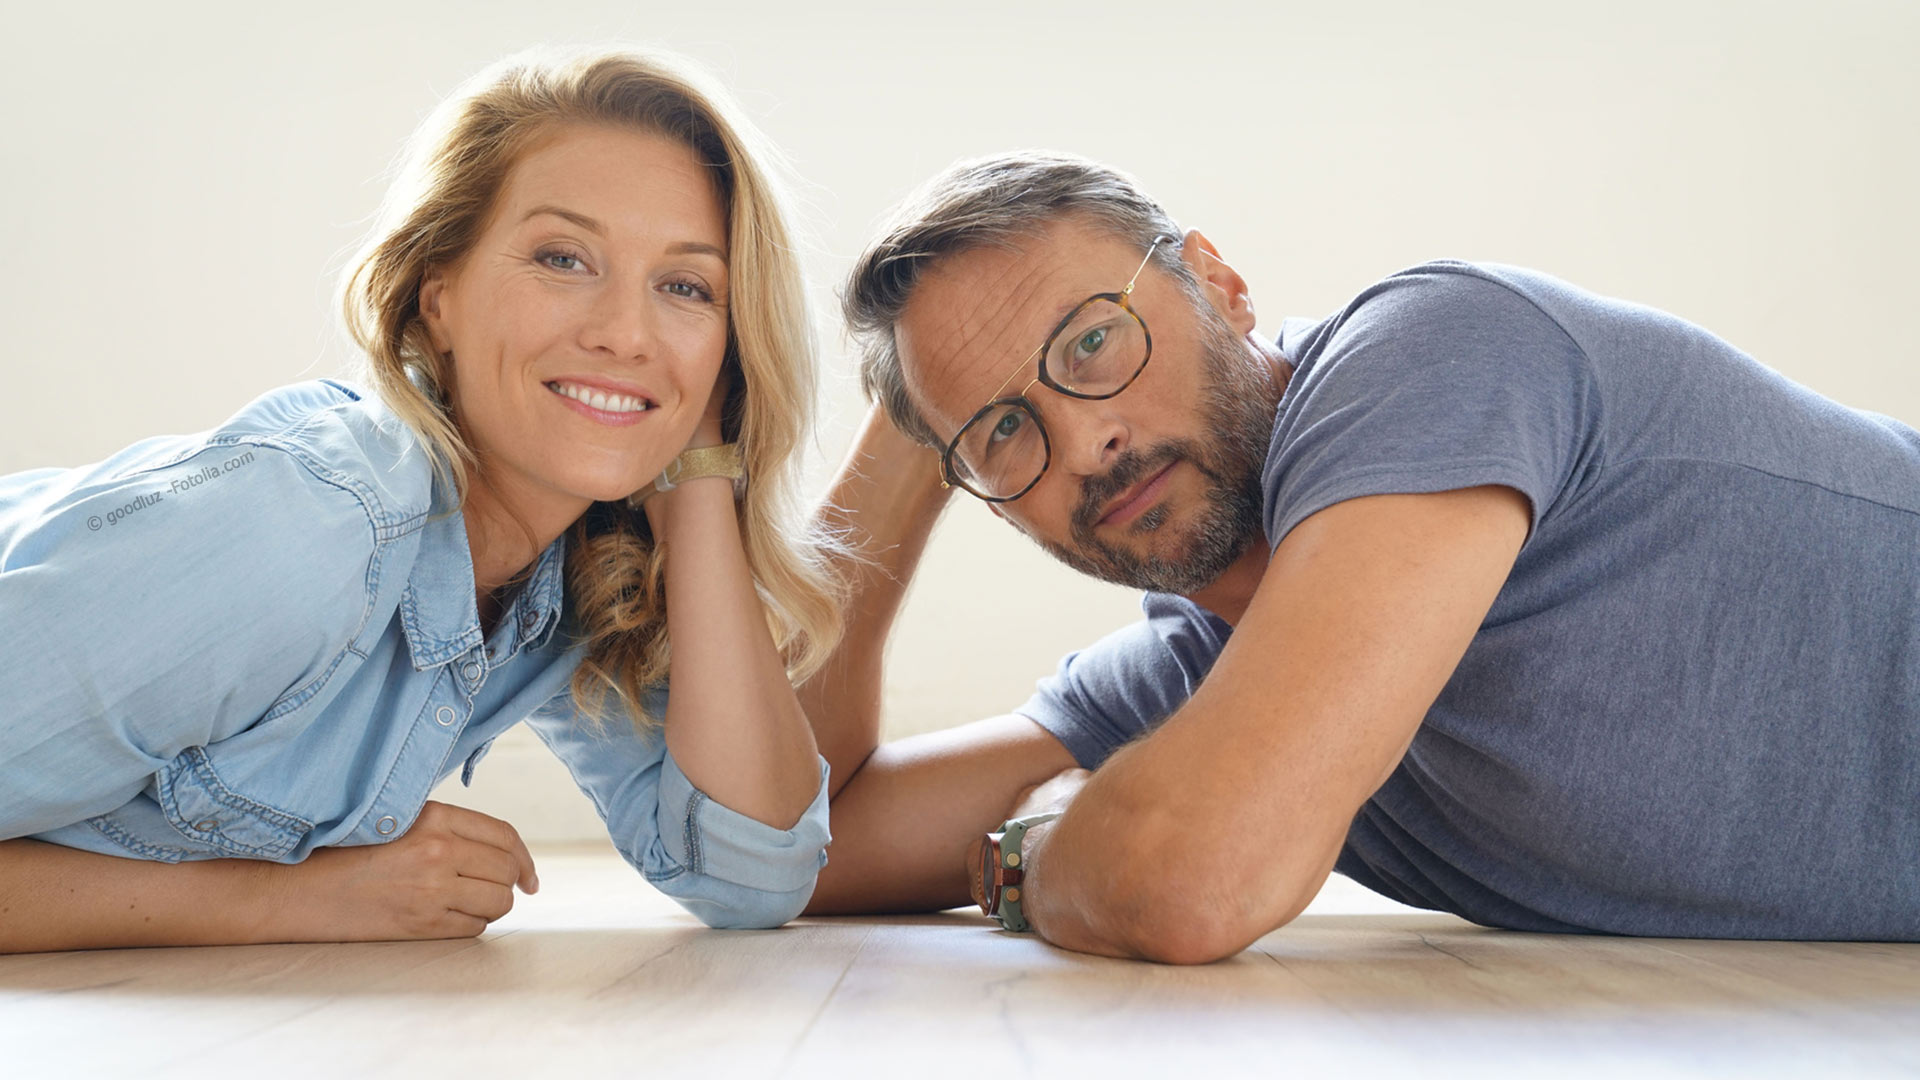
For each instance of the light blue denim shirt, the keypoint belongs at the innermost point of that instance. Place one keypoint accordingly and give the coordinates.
(257, 641)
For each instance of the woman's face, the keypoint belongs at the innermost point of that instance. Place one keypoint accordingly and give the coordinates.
(589, 321)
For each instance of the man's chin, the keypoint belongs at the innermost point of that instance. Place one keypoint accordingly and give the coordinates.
(1164, 560)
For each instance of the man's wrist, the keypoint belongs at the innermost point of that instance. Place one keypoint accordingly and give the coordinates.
(1005, 867)
(1033, 848)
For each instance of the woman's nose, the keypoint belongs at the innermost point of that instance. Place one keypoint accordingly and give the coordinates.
(620, 320)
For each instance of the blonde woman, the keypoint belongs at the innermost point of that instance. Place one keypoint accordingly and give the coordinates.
(239, 661)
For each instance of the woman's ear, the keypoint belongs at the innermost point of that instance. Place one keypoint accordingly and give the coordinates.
(432, 294)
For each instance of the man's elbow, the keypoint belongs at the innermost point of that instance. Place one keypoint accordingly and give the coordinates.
(1199, 915)
(1190, 933)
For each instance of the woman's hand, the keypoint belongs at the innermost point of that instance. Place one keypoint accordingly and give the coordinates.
(449, 876)
(706, 433)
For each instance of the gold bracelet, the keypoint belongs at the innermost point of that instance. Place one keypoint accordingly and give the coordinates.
(723, 460)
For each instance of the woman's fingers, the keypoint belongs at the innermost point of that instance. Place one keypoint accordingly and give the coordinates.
(484, 862)
(480, 899)
(478, 827)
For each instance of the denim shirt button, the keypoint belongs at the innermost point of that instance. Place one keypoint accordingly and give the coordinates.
(206, 825)
(386, 825)
(443, 716)
(471, 671)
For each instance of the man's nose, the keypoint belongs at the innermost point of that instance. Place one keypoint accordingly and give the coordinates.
(1088, 436)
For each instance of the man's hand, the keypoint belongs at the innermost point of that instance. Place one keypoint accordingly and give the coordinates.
(1049, 796)
(1222, 825)
(449, 876)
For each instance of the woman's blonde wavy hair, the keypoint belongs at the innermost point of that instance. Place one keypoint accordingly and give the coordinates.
(454, 169)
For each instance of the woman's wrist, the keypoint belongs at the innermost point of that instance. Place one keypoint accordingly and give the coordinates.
(695, 505)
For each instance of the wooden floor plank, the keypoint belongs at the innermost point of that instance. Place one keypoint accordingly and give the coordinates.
(600, 974)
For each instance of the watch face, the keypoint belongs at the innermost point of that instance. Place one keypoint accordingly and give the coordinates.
(989, 862)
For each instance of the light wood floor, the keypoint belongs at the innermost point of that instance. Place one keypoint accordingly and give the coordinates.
(599, 975)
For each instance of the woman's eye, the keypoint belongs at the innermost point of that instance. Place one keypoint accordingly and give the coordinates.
(688, 290)
(559, 260)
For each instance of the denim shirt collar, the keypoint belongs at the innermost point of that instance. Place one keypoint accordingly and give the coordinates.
(438, 611)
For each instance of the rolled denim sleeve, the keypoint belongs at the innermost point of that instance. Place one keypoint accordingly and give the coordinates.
(729, 870)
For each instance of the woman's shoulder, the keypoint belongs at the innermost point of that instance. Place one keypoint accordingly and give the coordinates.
(342, 435)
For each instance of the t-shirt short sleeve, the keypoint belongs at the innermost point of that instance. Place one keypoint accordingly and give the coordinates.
(1438, 378)
(1125, 684)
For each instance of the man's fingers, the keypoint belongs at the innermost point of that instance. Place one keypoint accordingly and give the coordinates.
(474, 825)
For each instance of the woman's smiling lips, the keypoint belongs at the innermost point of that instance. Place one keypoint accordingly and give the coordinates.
(1143, 497)
(603, 401)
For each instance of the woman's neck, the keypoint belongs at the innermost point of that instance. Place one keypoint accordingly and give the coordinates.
(507, 529)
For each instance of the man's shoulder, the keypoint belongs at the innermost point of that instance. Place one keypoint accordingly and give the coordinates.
(1471, 320)
(1443, 295)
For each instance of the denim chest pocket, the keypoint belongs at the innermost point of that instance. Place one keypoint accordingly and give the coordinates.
(199, 817)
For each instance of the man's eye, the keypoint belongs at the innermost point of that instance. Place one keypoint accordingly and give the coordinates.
(1090, 343)
(1008, 426)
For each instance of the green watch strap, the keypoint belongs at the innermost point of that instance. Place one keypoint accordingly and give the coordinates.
(1012, 835)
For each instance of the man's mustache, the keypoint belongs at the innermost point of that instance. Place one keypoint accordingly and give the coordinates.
(1097, 491)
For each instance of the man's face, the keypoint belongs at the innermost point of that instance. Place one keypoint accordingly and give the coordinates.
(1155, 488)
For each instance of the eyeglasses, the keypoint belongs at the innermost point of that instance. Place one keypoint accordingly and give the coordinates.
(1094, 353)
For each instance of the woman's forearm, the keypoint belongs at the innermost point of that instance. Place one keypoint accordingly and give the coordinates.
(54, 898)
(449, 875)
(885, 502)
(733, 724)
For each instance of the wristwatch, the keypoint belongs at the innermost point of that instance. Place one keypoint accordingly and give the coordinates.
(723, 460)
(1003, 871)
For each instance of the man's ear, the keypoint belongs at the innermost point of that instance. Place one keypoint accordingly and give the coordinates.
(432, 290)
(1223, 285)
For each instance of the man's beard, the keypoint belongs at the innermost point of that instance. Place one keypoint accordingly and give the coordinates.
(1237, 406)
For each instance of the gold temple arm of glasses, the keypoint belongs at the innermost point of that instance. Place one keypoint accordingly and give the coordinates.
(1157, 241)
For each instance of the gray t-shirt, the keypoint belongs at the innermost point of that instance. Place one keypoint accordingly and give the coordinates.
(1694, 708)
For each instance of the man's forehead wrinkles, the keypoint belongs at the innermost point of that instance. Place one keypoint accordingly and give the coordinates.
(983, 320)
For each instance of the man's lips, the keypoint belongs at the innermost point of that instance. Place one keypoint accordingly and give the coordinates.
(1134, 501)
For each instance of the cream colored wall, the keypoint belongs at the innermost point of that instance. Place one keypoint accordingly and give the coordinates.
(181, 182)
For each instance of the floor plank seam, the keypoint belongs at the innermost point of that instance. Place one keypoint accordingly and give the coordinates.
(1444, 951)
(807, 1029)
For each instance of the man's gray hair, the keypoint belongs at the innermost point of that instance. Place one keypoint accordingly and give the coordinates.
(974, 203)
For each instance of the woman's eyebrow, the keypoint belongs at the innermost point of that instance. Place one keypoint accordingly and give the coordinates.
(684, 247)
(695, 247)
(579, 219)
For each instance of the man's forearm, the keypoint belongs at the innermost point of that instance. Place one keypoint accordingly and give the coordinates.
(54, 898)
(885, 503)
(1145, 865)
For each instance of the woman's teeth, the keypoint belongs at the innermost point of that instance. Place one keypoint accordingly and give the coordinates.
(599, 399)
